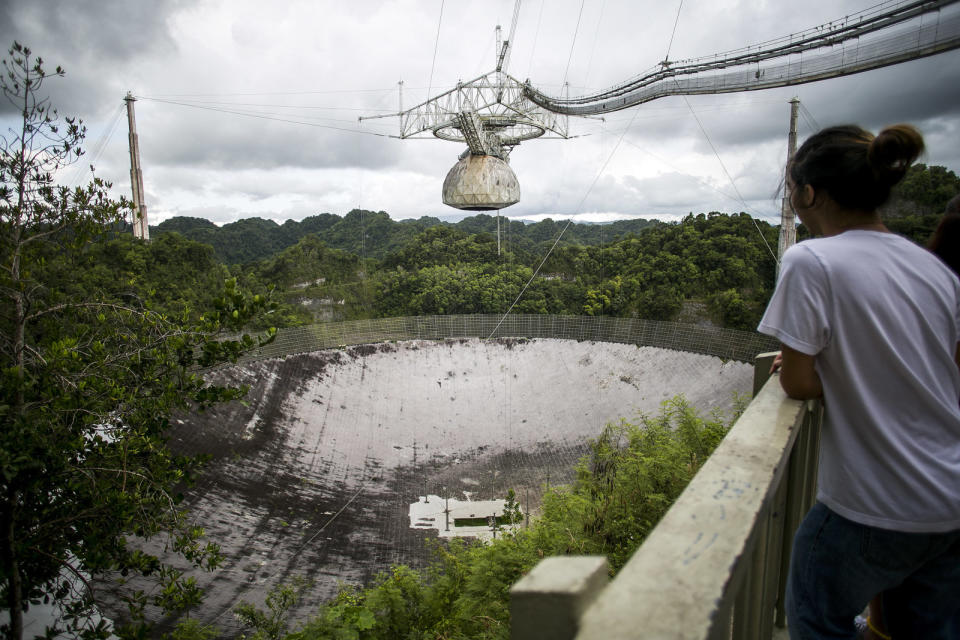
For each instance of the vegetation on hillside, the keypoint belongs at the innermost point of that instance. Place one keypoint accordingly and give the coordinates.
(924, 191)
(373, 234)
(93, 361)
(365, 265)
(723, 263)
(915, 205)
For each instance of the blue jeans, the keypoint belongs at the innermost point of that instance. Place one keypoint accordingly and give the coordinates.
(837, 566)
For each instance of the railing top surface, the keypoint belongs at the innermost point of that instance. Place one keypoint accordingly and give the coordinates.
(673, 585)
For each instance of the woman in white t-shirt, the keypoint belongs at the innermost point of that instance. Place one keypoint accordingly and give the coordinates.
(871, 322)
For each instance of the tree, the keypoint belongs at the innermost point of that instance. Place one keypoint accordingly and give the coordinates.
(88, 380)
(733, 311)
(272, 623)
(924, 190)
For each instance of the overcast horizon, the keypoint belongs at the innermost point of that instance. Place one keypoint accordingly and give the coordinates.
(322, 64)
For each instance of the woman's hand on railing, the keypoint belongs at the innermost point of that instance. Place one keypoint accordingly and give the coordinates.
(777, 362)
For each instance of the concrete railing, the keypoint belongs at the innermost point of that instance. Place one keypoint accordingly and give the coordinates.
(715, 566)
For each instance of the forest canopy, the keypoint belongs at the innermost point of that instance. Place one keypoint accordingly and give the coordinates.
(711, 267)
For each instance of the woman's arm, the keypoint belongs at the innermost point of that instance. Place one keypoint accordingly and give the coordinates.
(798, 377)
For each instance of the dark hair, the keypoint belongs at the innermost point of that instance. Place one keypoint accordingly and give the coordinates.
(954, 205)
(945, 241)
(857, 169)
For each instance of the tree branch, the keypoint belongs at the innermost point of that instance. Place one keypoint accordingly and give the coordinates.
(70, 567)
(88, 305)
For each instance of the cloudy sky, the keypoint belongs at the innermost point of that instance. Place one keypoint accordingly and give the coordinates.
(249, 108)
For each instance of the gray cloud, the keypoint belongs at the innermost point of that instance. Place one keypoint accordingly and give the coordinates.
(177, 136)
(103, 30)
(97, 43)
(327, 62)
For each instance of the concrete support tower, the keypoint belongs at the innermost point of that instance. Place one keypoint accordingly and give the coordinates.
(788, 224)
(140, 228)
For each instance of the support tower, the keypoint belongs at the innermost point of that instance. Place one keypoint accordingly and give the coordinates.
(140, 227)
(788, 223)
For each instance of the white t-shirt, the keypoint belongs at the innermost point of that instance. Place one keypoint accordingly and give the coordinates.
(882, 317)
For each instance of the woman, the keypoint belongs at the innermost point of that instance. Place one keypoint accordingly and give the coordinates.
(946, 238)
(871, 322)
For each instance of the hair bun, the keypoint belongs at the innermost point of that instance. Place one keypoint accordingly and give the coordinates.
(893, 151)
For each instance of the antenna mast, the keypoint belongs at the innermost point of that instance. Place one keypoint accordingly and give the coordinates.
(141, 229)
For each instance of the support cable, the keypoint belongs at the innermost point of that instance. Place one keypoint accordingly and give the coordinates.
(265, 93)
(536, 34)
(484, 61)
(436, 45)
(296, 553)
(676, 21)
(264, 117)
(600, 368)
(579, 206)
(593, 50)
(98, 147)
(811, 121)
(503, 56)
(573, 44)
(302, 117)
(565, 227)
(701, 181)
(710, 142)
(363, 243)
(729, 177)
(327, 523)
(273, 106)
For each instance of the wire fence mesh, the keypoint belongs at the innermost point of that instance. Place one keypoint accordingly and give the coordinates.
(729, 344)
